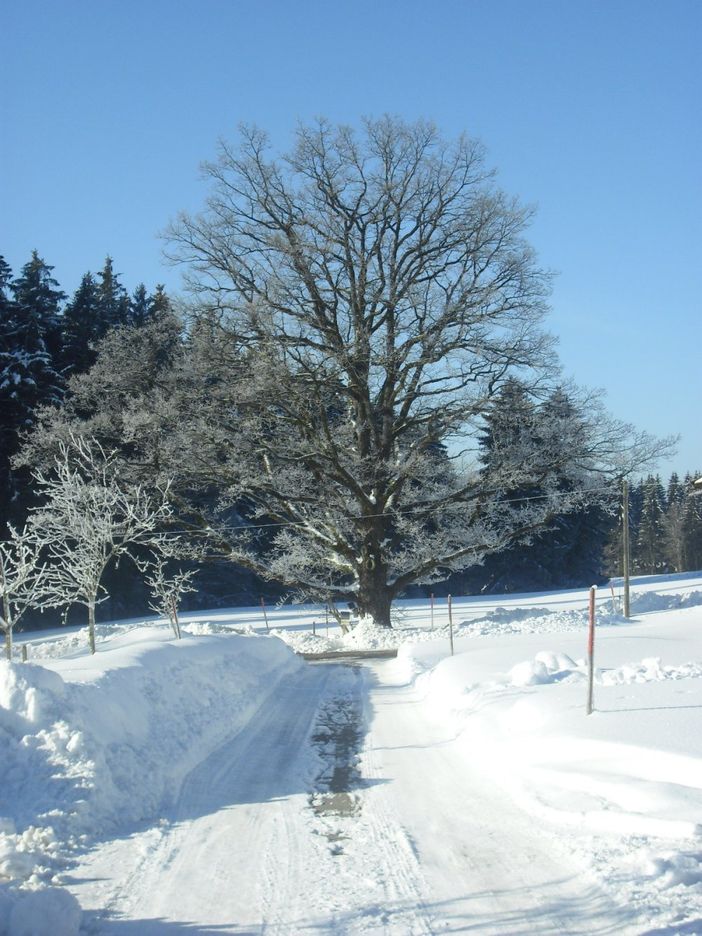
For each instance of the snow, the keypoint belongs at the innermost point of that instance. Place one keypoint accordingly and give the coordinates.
(218, 782)
(90, 745)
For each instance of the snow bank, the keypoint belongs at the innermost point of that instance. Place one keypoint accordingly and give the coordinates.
(625, 782)
(92, 744)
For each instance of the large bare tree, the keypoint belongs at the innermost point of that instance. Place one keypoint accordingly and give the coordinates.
(359, 303)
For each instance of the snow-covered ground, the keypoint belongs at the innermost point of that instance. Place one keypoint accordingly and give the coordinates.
(220, 784)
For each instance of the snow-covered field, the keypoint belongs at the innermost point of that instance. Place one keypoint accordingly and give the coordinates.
(220, 784)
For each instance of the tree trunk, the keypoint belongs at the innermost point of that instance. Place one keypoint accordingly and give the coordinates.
(91, 626)
(375, 597)
(174, 620)
(7, 614)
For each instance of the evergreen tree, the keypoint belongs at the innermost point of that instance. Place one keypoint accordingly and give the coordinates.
(8, 373)
(159, 302)
(570, 552)
(692, 526)
(38, 308)
(5, 279)
(650, 552)
(82, 327)
(144, 307)
(112, 298)
(673, 532)
(139, 306)
(675, 492)
(508, 433)
(29, 376)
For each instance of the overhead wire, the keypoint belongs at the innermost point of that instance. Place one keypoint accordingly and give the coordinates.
(233, 528)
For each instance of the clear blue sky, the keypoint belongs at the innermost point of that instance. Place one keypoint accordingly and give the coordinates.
(590, 109)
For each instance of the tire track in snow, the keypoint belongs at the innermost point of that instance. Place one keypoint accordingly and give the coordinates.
(207, 865)
(490, 867)
(370, 880)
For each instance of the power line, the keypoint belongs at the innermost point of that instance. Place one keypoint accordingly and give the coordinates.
(231, 528)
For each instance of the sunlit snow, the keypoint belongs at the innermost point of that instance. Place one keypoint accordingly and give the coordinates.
(220, 783)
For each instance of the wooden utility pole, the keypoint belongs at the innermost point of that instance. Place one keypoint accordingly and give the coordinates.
(625, 545)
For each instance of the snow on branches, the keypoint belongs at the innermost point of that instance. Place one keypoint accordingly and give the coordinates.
(167, 590)
(89, 519)
(21, 580)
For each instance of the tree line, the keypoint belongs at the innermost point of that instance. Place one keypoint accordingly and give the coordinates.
(362, 399)
(665, 527)
(47, 337)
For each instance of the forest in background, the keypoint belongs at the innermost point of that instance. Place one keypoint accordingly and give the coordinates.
(47, 338)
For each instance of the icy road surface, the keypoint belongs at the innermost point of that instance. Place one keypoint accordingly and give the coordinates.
(341, 808)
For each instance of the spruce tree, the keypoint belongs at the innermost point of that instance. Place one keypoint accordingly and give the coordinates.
(139, 306)
(570, 551)
(159, 302)
(29, 366)
(650, 551)
(692, 525)
(509, 431)
(8, 372)
(112, 298)
(82, 327)
(673, 535)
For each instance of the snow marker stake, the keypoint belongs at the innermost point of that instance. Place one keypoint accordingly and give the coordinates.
(450, 624)
(265, 616)
(591, 652)
(431, 599)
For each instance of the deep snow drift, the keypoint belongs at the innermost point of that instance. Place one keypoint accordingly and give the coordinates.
(92, 749)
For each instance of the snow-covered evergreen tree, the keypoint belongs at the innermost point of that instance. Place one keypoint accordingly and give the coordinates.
(570, 551)
(32, 336)
(29, 370)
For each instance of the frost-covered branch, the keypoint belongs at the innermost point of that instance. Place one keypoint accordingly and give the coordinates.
(22, 578)
(89, 519)
(167, 590)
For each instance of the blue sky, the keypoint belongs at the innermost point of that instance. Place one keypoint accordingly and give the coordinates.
(590, 110)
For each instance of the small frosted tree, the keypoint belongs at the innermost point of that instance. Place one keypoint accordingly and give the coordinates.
(21, 578)
(90, 519)
(167, 590)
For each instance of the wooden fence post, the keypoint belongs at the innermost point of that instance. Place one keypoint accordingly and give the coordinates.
(265, 616)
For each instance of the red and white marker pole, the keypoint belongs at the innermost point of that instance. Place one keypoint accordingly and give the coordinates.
(591, 653)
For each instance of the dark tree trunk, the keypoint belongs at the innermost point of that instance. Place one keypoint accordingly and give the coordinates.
(375, 596)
